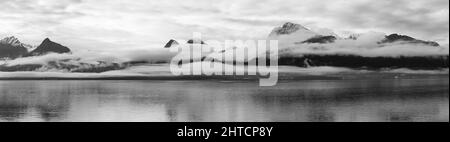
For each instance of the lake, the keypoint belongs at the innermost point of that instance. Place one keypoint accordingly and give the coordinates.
(384, 100)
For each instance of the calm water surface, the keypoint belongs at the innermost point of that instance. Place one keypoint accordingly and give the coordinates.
(187, 101)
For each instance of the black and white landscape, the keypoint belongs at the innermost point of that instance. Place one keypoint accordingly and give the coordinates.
(109, 60)
(300, 47)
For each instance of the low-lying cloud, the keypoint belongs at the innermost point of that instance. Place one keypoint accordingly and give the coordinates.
(90, 57)
(367, 45)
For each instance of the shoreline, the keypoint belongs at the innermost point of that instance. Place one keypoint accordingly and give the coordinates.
(244, 78)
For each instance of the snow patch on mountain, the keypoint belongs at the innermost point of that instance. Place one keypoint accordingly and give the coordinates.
(13, 41)
(291, 33)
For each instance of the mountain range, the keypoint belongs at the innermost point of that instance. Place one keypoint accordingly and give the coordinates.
(12, 48)
(291, 37)
(299, 34)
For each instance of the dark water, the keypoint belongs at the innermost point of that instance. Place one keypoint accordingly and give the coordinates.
(349, 100)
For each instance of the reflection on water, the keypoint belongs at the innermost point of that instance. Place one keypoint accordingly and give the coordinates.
(186, 101)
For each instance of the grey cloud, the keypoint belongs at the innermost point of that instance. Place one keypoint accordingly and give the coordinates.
(37, 6)
(255, 22)
(390, 14)
(415, 17)
(397, 16)
(38, 12)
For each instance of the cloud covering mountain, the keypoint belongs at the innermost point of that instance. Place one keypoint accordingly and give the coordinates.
(370, 44)
(299, 46)
(118, 33)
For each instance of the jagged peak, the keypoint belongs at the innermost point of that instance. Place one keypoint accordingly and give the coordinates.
(48, 46)
(288, 28)
(47, 40)
(171, 43)
(11, 41)
(293, 25)
(14, 42)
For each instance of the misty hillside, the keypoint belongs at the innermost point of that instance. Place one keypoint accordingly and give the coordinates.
(11, 48)
(299, 46)
(311, 50)
(48, 56)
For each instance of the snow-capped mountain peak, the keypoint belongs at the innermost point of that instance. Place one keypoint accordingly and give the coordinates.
(13, 41)
(288, 28)
(291, 33)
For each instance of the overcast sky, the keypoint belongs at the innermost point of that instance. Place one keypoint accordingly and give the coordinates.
(143, 24)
